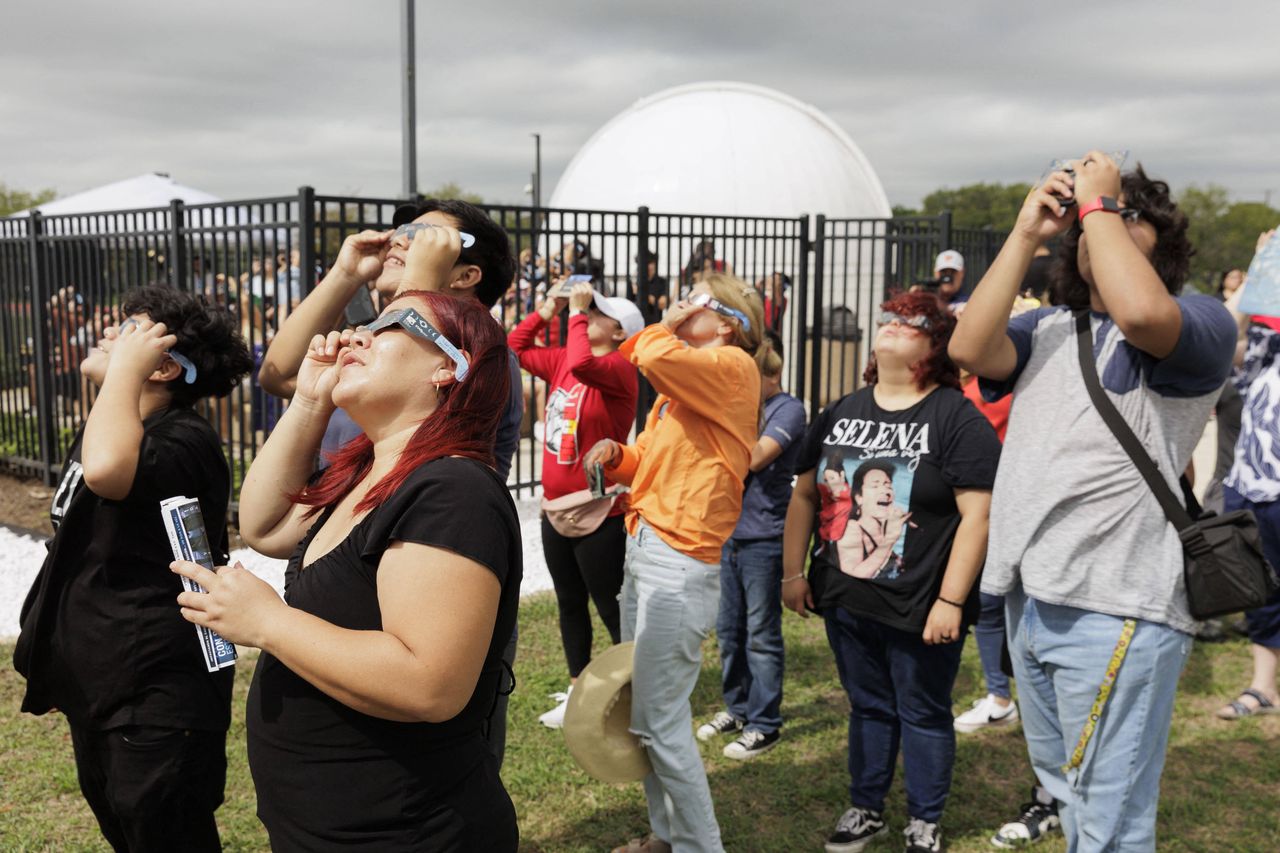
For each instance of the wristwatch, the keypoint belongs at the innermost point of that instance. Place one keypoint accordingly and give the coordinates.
(1102, 202)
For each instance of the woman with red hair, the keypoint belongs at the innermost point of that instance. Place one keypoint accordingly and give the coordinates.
(897, 588)
(380, 668)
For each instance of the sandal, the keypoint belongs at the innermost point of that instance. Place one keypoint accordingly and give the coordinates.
(1238, 710)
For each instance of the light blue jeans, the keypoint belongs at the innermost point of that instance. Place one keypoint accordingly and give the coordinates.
(669, 605)
(1060, 656)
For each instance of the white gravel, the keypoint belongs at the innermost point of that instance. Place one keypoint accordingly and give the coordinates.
(21, 557)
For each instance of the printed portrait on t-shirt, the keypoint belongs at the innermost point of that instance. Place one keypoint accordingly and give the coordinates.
(865, 480)
(835, 499)
(869, 543)
(561, 420)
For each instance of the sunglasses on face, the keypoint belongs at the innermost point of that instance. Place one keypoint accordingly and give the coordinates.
(706, 300)
(189, 369)
(415, 324)
(918, 322)
(1130, 214)
(409, 229)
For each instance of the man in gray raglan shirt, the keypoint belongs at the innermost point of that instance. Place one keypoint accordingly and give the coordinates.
(1078, 542)
(482, 272)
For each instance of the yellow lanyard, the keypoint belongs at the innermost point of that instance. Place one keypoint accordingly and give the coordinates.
(1104, 691)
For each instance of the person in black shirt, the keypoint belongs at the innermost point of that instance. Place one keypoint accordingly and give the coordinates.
(654, 292)
(898, 586)
(381, 668)
(102, 640)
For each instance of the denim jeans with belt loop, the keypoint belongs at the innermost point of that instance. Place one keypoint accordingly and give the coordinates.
(1060, 656)
(669, 605)
(749, 630)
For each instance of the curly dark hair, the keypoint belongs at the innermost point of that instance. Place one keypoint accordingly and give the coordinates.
(937, 366)
(491, 252)
(208, 335)
(1171, 257)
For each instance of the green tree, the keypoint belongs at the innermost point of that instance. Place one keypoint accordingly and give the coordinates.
(1223, 232)
(13, 200)
(979, 205)
(452, 190)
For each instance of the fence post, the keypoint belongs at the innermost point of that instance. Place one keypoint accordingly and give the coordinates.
(308, 239)
(43, 335)
(802, 305)
(177, 251)
(646, 393)
(815, 341)
(944, 231)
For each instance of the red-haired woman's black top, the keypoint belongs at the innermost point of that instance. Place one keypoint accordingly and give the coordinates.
(329, 777)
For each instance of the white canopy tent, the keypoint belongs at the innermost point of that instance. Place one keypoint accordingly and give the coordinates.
(140, 206)
(155, 189)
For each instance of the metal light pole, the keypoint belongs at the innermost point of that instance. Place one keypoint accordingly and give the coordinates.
(537, 191)
(537, 170)
(408, 103)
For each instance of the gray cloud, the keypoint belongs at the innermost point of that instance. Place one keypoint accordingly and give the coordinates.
(256, 98)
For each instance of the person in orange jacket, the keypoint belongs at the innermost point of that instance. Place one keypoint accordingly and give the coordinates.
(686, 473)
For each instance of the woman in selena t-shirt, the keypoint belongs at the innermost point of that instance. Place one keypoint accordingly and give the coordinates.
(897, 587)
(591, 394)
(381, 666)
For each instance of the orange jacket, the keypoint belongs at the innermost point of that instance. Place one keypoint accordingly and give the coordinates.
(687, 467)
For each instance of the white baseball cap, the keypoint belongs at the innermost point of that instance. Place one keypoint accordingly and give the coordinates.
(621, 310)
(949, 260)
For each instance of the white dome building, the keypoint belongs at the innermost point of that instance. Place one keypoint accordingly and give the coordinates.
(731, 167)
(722, 148)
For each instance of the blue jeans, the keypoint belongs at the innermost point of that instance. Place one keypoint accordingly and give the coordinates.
(1060, 655)
(749, 629)
(669, 603)
(989, 632)
(1264, 621)
(899, 691)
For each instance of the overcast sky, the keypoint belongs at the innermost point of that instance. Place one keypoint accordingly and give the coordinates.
(246, 99)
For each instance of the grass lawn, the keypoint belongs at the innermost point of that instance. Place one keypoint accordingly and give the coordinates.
(1221, 787)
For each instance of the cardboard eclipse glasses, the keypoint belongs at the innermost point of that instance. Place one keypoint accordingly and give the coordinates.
(706, 300)
(189, 369)
(418, 326)
(409, 229)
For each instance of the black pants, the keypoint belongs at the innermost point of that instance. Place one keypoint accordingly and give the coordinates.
(153, 789)
(586, 567)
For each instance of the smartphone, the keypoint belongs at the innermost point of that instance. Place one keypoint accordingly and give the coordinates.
(595, 480)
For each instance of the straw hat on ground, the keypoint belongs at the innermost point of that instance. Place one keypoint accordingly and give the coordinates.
(597, 719)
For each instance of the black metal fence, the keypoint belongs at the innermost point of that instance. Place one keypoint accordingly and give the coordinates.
(61, 279)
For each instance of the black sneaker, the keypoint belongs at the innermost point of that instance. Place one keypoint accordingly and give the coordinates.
(855, 829)
(922, 836)
(722, 723)
(1036, 822)
(750, 744)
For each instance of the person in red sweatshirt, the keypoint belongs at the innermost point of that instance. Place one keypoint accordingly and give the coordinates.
(591, 395)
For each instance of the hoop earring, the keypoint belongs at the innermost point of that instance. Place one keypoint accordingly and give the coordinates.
(437, 384)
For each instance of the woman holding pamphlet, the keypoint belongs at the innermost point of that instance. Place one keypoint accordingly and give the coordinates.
(381, 667)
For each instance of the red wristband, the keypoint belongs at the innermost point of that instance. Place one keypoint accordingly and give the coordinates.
(1103, 202)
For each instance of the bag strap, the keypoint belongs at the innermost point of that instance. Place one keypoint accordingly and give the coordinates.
(1192, 538)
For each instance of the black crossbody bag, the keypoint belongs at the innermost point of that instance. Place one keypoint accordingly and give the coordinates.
(1225, 570)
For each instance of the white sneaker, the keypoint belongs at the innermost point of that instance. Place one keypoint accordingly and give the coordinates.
(722, 723)
(554, 719)
(986, 712)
